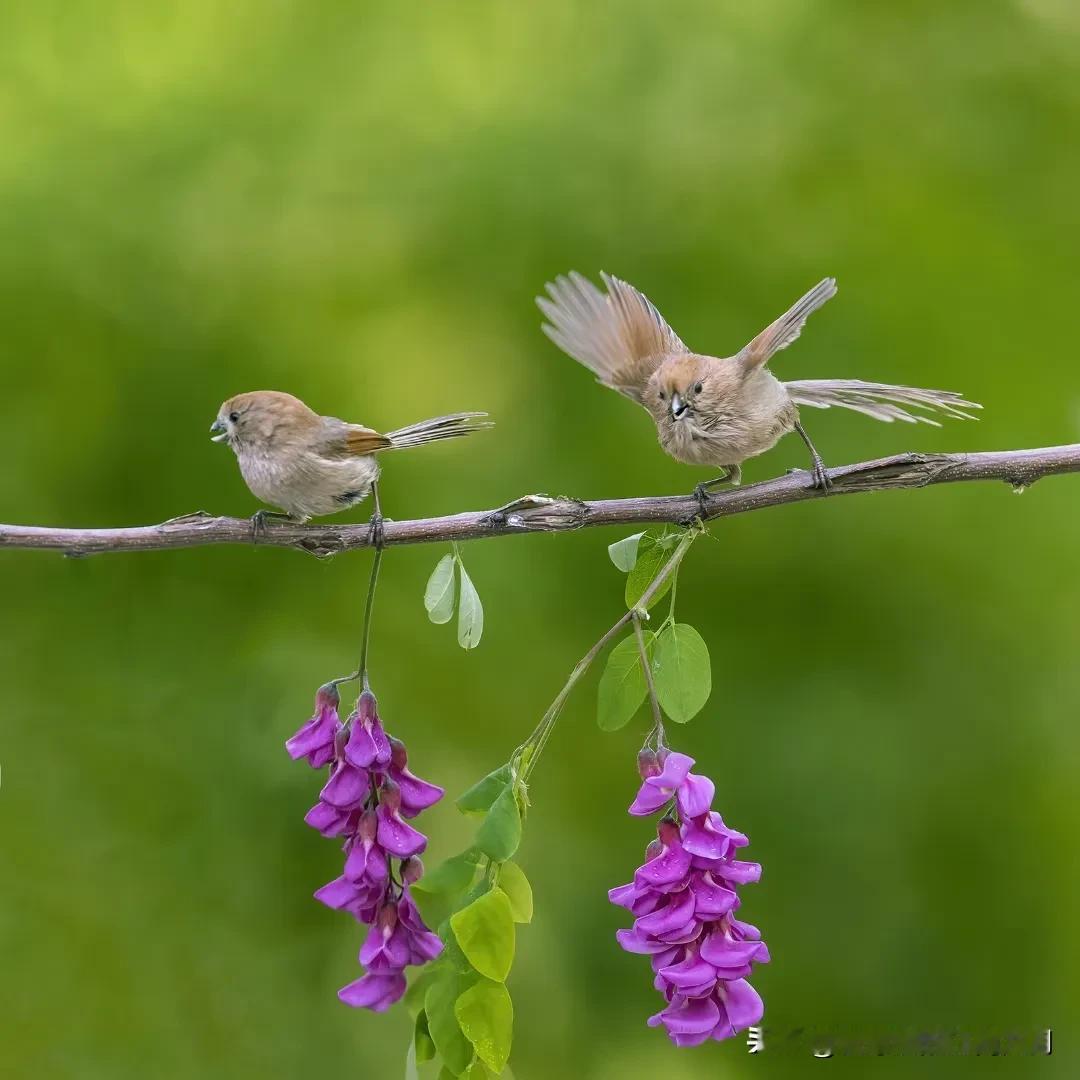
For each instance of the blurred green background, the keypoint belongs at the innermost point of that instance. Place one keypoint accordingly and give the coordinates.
(357, 203)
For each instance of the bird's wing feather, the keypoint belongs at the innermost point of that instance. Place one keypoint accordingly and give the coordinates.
(880, 400)
(781, 333)
(342, 440)
(619, 335)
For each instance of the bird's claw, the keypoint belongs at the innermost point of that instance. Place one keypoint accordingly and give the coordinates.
(259, 520)
(377, 531)
(820, 476)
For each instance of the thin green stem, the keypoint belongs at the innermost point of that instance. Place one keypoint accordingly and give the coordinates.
(650, 684)
(361, 671)
(369, 605)
(534, 745)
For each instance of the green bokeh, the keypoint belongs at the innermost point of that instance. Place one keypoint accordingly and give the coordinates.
(357, 203)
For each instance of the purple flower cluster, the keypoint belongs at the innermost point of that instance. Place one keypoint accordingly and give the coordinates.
(367, 799)
(683, 900)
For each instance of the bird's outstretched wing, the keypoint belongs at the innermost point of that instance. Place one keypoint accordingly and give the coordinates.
(619, 335)
(780, 334)
(880, 400)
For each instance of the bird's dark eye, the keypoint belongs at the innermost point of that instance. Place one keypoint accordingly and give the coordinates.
(697, 388)
(234, 416)
(661, 395)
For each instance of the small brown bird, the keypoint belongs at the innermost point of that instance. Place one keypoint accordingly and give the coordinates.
(310, 465)
(711, 410)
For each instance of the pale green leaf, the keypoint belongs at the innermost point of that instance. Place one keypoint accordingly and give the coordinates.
(515, 884)
(654, 550)
(500, 833)
(624, 552)
(486, 1016)
(485, 932)
(455, 1050)
(470, 612)
(681, 671)
(441, 591)
(434, 893)
(422, 1046)
(622, 685)
(481, 795)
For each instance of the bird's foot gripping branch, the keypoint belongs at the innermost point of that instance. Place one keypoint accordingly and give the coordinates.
(456, 924)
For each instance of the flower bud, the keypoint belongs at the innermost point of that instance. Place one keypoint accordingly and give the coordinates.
(399, 756)
(654, 850)
(667, 830)
(327, 696)
(366, 710)
(369, 825)
(390, 796)
(386, 920)
(341, 737)
(647, 764)
(412, 870)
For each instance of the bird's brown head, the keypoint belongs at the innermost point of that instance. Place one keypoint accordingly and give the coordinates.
(678, 386)
(261, 418)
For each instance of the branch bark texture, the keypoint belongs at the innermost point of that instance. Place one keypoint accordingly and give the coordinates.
(541, 513)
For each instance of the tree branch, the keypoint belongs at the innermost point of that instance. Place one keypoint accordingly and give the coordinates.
(536, 513)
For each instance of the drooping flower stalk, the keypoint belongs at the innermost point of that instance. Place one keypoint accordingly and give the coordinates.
(367, 798)
(684, 898)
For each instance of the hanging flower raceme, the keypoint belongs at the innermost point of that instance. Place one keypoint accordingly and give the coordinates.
(366, 799)
(683, 899)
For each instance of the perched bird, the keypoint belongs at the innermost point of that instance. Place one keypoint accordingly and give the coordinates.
(713, 410)
(310, 465)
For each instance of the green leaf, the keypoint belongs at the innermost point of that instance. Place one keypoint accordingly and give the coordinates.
(423, 1047)
(455, 1050)
(453, 875)
(470, 624)
(485, 932)
(481, 795)
(624, 552)
(418, 988)
(441, 592)
(515, 884)
(622, 685)
(434, 893)
(500, 833)
(654, 550)
(411, 1071)
(486, 1016)
(681, 671)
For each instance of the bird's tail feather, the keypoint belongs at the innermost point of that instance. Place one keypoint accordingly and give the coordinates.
(453, 426)
(880, 400)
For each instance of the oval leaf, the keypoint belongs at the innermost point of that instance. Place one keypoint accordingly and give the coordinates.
(499, 835)
(443, 1026)
(486, 1016)
(481, 795)
(681, 671)
(485, 932)
(654, 550)
(470, 624)
(515, 884)
(622, 685)
(422, 1047)
(623, 552)
(441, 591)
(434, 893)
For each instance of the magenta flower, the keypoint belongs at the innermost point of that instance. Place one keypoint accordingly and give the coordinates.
(315, 739)
(374, 992)
(369, 793)
(682, 899)
(368, 746)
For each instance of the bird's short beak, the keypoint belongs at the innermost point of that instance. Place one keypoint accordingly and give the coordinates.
(219, 425)
(678, 406)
